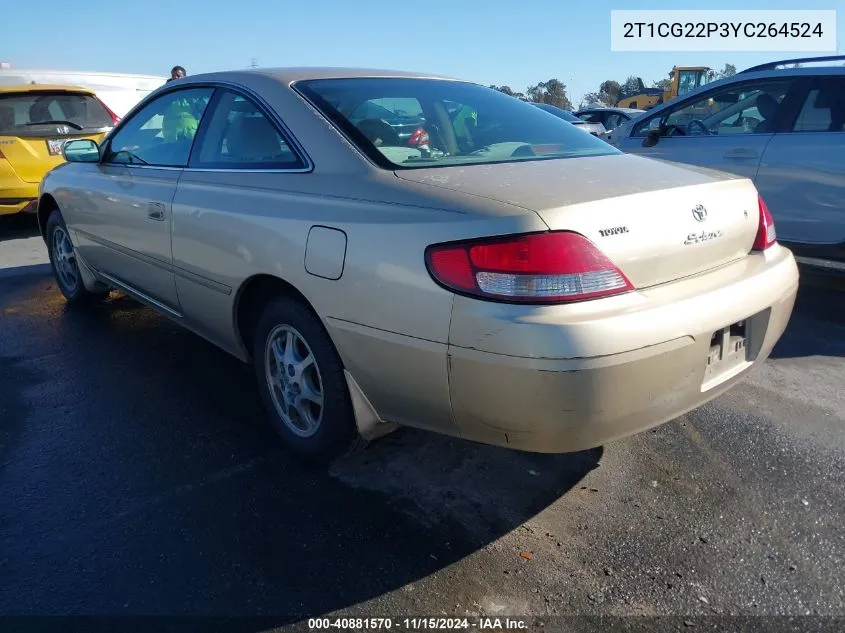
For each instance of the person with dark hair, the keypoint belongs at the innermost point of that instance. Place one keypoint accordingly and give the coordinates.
(177, 72)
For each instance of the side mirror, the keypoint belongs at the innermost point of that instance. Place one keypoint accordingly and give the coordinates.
(655, 130)
(81, 151)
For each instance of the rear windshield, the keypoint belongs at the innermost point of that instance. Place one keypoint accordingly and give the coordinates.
(32, 113)
(438, 123)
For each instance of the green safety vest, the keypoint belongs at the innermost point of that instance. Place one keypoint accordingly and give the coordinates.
(464, 114)
(179, 121)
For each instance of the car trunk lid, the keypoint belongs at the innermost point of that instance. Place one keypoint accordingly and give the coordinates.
(33, 155)
(657, 221)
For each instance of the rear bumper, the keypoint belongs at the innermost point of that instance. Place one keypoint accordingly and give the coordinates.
(9, 206)
(604, 370)
(17, 196)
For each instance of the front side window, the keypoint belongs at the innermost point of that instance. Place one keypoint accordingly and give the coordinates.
(240, 136)
(742, 108)
(463, 123)
(613, 120)
(162, 133)
(824, 108)
(34, 113)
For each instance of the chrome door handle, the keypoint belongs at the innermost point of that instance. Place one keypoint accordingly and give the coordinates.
(155, 211)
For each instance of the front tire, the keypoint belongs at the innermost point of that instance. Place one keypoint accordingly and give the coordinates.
(302, 384)
(64, 263)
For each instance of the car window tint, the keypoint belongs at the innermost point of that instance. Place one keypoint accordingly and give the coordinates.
(824, 108)
(455, 123)
(741, 108)
(590, 117)
(162, 133)
(375, 108)
(240, 136)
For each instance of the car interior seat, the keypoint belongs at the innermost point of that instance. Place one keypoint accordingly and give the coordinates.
(7, 118)
(767, 106)
(39, 111)
(834, 101)
(252, 138)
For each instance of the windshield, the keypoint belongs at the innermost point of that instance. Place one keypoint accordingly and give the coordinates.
(456, 123)
(28, 113)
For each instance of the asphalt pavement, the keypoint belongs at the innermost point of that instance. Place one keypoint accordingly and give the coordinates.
(138, 477)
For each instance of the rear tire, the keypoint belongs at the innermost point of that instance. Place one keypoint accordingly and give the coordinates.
(302, 384)
(64, 263)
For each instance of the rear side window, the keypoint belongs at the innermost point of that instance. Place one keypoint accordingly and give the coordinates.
(30, 113)
(824, 108)
(240, 136)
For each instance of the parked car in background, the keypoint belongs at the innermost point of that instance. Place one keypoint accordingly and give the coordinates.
(119, 91)
(782, 127)
(609, 118)
(35, 122)
(528, 286)
(596, 129)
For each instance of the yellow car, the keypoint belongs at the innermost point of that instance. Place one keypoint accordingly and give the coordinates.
(35, 123)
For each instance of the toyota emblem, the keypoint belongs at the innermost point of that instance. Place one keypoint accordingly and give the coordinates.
(699, 213)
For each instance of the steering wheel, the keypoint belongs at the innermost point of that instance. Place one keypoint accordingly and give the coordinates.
(697, 123)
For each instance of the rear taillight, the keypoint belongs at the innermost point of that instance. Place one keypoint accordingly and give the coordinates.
(766, 235)
(419, 137)
(114, 118)
(554, 267)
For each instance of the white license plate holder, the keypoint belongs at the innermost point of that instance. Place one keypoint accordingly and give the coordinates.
(727, 355)
(55, 146)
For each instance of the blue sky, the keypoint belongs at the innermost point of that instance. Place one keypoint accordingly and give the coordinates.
(511, 42)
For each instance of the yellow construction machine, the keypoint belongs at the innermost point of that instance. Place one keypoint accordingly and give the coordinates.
(682, 80)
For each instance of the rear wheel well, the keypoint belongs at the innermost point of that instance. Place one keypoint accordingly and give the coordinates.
(256, 293)
(46, 206)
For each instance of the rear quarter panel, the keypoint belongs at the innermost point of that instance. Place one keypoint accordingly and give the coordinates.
(387, 317)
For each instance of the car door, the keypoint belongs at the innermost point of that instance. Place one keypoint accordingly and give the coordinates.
(727, 128)
(242, 170)
(125, 233)
(802, 174)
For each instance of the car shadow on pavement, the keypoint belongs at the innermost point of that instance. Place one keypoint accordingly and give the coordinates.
(18, 227)
(148, 483)
(817, 325)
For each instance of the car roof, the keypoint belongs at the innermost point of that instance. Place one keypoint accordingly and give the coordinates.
(24, 88)
(301, 73)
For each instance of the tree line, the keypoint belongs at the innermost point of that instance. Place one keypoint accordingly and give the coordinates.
(554, 92)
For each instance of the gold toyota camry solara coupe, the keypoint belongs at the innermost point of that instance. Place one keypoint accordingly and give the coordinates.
(390, 248)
